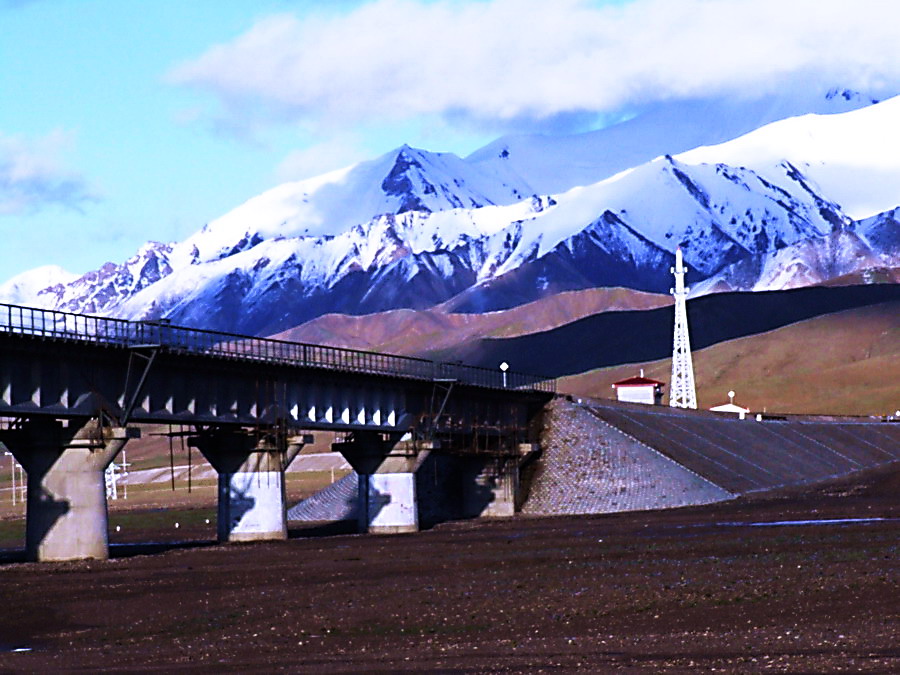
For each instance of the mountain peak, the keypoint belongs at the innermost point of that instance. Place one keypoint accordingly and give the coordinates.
(401, 182)
(412, 228)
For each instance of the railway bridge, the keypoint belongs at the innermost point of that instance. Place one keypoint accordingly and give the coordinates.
(73, 389)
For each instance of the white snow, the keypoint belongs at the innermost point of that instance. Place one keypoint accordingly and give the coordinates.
(552, 164)
(775, 193)
(330, 204)
(853, 158)
(28, 287)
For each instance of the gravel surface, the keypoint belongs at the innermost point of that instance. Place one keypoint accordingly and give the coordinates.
(699, 589)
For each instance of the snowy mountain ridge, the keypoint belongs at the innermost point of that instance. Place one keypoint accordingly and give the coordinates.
(504, 172)
(413, 228)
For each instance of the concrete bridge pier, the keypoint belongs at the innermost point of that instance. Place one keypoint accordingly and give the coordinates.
(66, 517)
(387, 480)
(252, 503)
(489, 488)
(491, 485)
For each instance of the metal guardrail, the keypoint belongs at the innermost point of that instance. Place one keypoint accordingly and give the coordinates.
(53, 324)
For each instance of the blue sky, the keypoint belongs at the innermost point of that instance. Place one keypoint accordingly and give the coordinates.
(83, 86)
(125, 121)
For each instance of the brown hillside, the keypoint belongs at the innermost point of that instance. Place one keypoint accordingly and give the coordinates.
(879, 275)
(412, 332)
(843, 363)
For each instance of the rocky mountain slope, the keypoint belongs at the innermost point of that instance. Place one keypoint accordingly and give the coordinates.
(796, 202)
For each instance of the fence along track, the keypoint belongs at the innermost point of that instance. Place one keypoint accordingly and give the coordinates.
(121, 333)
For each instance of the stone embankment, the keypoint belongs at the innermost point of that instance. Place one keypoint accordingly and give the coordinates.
(336, 502)
(589, 466)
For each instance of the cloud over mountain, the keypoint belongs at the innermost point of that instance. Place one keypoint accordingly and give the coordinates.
(514, 62)
(32, 176)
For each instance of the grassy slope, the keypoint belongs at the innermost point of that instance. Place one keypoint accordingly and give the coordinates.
(844, 363)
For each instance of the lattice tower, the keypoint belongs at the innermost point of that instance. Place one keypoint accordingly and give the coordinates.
(682, 393)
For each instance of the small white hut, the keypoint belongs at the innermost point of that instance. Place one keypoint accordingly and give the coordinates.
(639, 389)
(731, 407)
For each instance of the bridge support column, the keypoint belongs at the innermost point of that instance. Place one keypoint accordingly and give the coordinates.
(252, 504)
(387, 481)
(491, 485)
(66, 517)
(489, 488)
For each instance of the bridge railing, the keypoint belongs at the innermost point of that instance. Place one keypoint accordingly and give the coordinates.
(53, 324)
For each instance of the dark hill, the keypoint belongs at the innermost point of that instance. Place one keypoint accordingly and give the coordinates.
(613, 338)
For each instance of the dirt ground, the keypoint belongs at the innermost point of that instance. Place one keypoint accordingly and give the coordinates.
(700, 589)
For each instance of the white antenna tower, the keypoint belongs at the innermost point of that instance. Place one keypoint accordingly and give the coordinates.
(682, 393)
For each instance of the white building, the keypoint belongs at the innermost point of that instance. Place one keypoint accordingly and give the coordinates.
(731, 407)
(639, 389)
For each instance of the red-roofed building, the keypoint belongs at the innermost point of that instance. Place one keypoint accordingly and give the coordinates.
(639, 389)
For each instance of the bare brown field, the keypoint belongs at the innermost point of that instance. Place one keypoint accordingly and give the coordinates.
(805, 582)
(845, 363)
(413, 332)
(165, 495)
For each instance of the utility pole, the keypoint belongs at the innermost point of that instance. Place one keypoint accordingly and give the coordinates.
(682, 392)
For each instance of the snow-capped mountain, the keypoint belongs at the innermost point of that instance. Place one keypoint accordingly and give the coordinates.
(96, 292)
(402, 181)
(553, 164)
(853, 158)
(504, 172)
(40, 287)
(794, 202)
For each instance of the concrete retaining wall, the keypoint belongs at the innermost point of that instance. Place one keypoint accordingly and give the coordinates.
(588, 466)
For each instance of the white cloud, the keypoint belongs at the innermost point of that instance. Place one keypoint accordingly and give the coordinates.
(509, 61)
(339, 150)
(32, 177)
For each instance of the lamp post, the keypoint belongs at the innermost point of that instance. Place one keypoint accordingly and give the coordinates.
(18, 486)
(12, 466)
(503, 368)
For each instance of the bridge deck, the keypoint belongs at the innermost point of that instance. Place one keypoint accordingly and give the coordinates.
(60, 365)
(120, 333)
